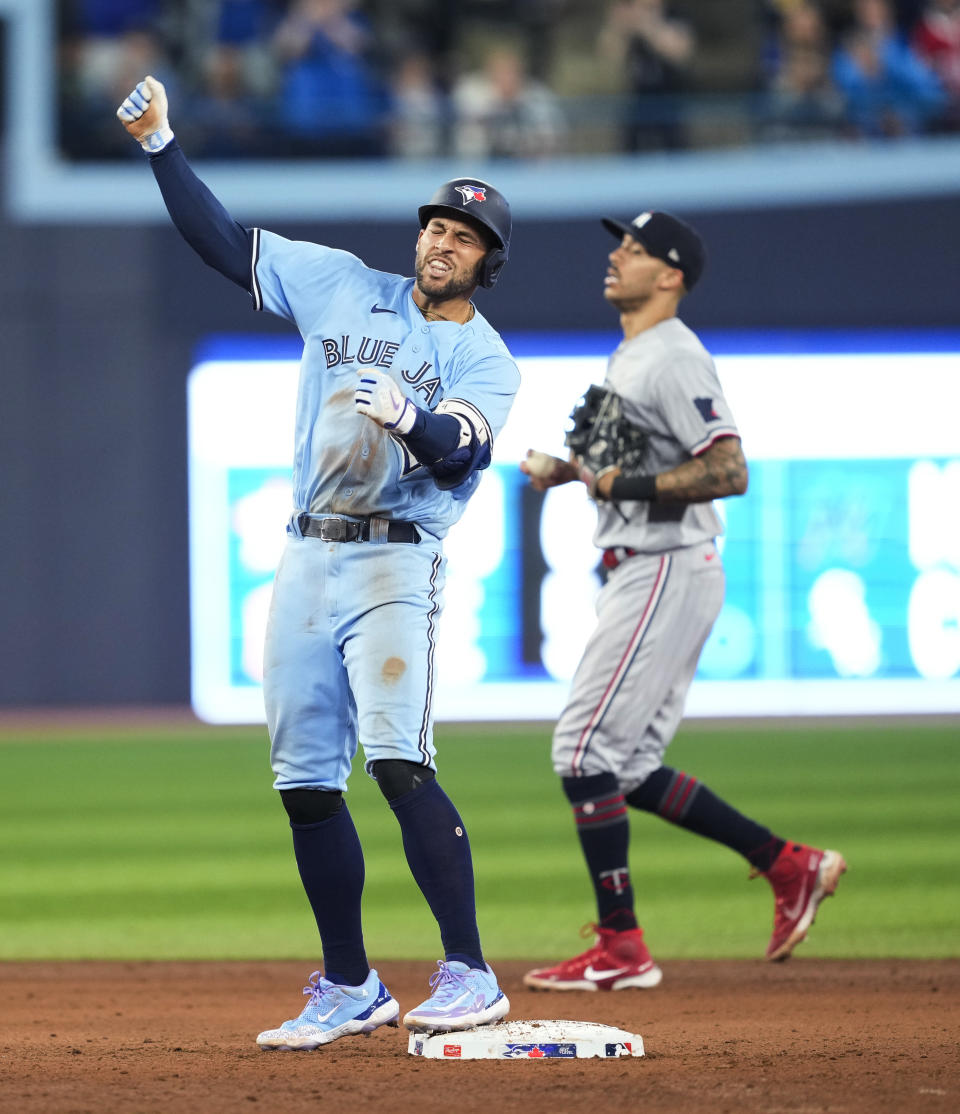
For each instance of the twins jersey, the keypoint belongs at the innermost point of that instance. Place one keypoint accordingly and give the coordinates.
(352, 317)
(670, 389)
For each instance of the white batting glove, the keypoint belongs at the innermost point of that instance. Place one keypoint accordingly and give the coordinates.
(144, 115)
(379, 398)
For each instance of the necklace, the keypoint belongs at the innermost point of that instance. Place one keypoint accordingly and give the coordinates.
(432, 315)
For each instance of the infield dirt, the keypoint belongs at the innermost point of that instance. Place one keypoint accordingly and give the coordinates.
(745, 1037)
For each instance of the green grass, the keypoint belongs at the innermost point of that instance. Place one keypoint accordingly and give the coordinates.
(172, 844)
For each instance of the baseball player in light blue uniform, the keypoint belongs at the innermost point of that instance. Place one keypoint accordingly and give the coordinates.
(403, 386)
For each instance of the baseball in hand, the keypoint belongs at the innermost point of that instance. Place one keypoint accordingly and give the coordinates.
(540, 466)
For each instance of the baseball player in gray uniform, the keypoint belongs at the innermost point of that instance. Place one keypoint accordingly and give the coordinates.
(403, 386)
(664, 589)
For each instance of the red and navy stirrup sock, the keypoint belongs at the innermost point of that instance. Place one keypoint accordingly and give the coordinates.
(603, 827)
(688, 803)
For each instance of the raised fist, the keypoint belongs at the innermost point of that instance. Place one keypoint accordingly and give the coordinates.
(144, 115)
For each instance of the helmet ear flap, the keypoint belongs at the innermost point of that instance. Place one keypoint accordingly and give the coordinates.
(491, 267)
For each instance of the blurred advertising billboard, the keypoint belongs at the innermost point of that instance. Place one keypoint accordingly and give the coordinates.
(842, 560)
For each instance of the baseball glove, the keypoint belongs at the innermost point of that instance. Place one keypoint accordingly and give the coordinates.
(602, 438)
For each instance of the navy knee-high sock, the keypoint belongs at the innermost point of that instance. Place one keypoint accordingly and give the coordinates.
(330, 861)
(684, 801)
(603, 828)
(438, 853)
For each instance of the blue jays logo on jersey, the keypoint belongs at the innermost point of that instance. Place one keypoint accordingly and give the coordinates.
(707, 411)
(472, 193)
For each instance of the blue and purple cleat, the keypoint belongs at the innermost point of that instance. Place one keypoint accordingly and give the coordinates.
(332, 1012)
(461, 998)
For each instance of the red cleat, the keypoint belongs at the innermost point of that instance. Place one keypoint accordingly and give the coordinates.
(801, 878)
(617, 961)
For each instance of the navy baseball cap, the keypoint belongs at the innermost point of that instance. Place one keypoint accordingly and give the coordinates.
(668, 238)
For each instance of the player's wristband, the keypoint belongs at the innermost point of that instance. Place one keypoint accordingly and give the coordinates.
(156, 141)
(634, 489)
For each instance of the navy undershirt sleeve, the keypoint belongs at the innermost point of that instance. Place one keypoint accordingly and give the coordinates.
(433, 437)
(200, 218)
(435, 441)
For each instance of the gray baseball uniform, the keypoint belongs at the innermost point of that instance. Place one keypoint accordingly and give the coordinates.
(666, 582)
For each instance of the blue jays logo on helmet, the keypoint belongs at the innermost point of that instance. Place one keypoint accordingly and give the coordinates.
(472, 193)
(493, 214)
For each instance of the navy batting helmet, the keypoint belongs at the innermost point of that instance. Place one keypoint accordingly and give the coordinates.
(472, 199)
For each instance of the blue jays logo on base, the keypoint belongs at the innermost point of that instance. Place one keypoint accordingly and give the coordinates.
(539, 1051)
(472, 193)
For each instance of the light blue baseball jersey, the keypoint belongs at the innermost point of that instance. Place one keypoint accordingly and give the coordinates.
(353, 317)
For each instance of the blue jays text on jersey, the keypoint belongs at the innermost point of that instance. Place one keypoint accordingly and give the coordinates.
(377, 352)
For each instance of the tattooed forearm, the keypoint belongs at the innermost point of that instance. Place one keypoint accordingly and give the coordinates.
(720, 471)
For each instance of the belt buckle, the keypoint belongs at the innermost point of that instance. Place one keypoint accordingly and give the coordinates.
(333, 529)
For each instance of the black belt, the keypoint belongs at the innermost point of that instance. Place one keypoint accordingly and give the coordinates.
(333, 529)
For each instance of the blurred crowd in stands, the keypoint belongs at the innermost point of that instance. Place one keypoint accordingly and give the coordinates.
(414, 79)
